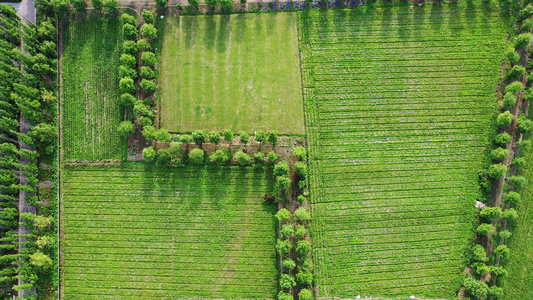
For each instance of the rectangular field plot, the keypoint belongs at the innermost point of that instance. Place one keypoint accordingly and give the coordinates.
(90, 94)
(231, 71)
(136, 232)
(398, 103)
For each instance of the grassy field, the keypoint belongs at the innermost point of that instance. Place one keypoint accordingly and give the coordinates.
(90, 95)
(136, 232)
(231, 71)
(398, 103)
(519, 283)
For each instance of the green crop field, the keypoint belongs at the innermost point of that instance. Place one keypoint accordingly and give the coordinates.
(231, 71)
(141, 232)
(519, 283)
(90, 95)
(398, 103)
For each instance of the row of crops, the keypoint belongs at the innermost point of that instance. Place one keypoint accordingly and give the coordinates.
(157, 233)
(90, 93)
(398, 103)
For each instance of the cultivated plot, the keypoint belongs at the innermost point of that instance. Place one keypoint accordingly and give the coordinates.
(90, 94)
(140, 232)
(231, 71)
(398, 103)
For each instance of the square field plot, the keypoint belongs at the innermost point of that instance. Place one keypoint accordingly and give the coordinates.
(231, 71)
(136, 232)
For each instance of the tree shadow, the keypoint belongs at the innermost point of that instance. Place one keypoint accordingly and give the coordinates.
(223, 33)
(190, 27)
(210, 30)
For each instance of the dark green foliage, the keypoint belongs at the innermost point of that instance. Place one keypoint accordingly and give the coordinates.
(61, 7)
(476, 288)
(130, 47)
(126, 128)
(128, 60)
(499, 154)
(300, 232)
(509, 101)
(300, 152)
(211, 3)
(163, 136)
(129, 31)
(196, 156)
(214, 137)
(272, 157)
(303, 247)
(97, 4)
(148, 59)
(504, 119)
(283, 183)
(43, 133)
(127, 100)
(260, 136)
(518, 162)
(110, 6)
(128, 19)
(149, 31)
(126, 85)
(300, 168)
(161, 4)
(220, 157)
(125, 71)
(79, 5)
(490, 213)
(199, 136)
(304, 278)
(194, 3)
(511, 198)
(259, 158)
(497, 170)
(144, 45)
(517, 182)
(147, 72)
(226, 4)
(148, 17)
(524, 125)
(148, 86)
(522, 40)
(142, 110)
(228, 135)
(272, 137)
(283, 247)
(495, 291)
(281, 169)
(244, 137)
(514, 87)
(286, 231)
(502, 139)
(512, 56)
(163, 157)
(480, 268)
(515, 72)
(186, 138)
(243, 159)
(510, 215)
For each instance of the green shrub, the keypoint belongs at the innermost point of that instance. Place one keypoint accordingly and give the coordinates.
(281, 169)
(148, 17)
(515, 72)
(128, 19)
(303, 247)
(476, 288)
(499, 154)
(509, 101)
(282, 295)
(480, 268)
(288, 264)
(110, 6)
(127, 100)
(304, 278)
(491, 213)
(510, 215)
(503, 139)
(147, 86)
(301, 214)
(305, 294)
(283, 215)
(502, 251)
(524, 125)
(243, 159)
(286, 231)
(147, 72)
(283, 247)
(220, 157)
(126, 85)
(504, 119)
(497, 170)
(144, 45)
(485, 229)
(142, 110)
(517, 182)
(522, 40)
(479, 253)
(148, 59)
(512, 56)
(259, 158)
(148, 154)
(300, 232)
(300, 152)
(149, 132)
(196, 156)
(128, 60)
(150, 32)
(511, 198)
(125, 128)
(514, 88)
(272, 157)
(163, 156)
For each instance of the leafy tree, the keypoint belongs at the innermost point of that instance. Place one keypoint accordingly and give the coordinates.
(259, 158)
(60, 7)
(528, 94)
(128, 60)
(305, 294)
(283, 215)
(79, 5)
(480, 268)
(126, 128)
(485, 229)
(491, 213)
(300, 152)
(163, 157)
(476, 288)
(244, 137)
(518, 182)
(212, 3)
(300, 232)
(148, 17)
(43, 133)
(272, 157)
(287, 282)
(228, 135)
(502, 251)
(288, 264)
(124, 71)
(497, 170)
(97, 4)
(522, 40)
(163, 136)
(283, 183)
(149, 31)
(243, 159)
(128, 19)
(286, 231)
(127, 100)
(503, 139)
(44, 241)
(301, 198)
(143, 45)
(260, 136)
(226, 4)
(194, 3)
(514, 88)
(147, 85)
(161, 4)
(304, 278)
(523, 145)
(220, 157)
(110, 6)
(148, 154)
(495, 291)
(303, 247)
(301, 169)
(283, 247)
(302, 214)
(510, 215)
(509, 101)
(175, 149)
(511, 198)
(272, 137)
(148, 59)
(199, 137)
(512, 56)
(40, 260)
(479, 253)
(505, 234)
(499, 154)
(214, 137)
(149, 132)
(147, 72)
(126, 85)
(281, 169)
(516, 72)
(196, 156)
(130, 47)
(186, 139)
(504, 119)
(524, 125)
(142, 110)
(282, 295)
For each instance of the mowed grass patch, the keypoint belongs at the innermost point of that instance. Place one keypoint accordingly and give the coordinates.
(519, 283)
(141, 232)
(398, 103)
(231, 71)
(90, 95)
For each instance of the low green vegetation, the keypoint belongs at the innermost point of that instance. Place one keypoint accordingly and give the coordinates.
(152, 232)
(90, 97)
(230, 71)
(398, 103)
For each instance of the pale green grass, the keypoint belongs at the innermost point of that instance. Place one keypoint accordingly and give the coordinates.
(231, 71)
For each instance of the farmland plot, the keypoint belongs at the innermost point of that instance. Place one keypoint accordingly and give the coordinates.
(398, 103)
(90, 94)
(136, 232)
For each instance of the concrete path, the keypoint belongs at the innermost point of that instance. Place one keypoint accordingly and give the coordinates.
(25, 9)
